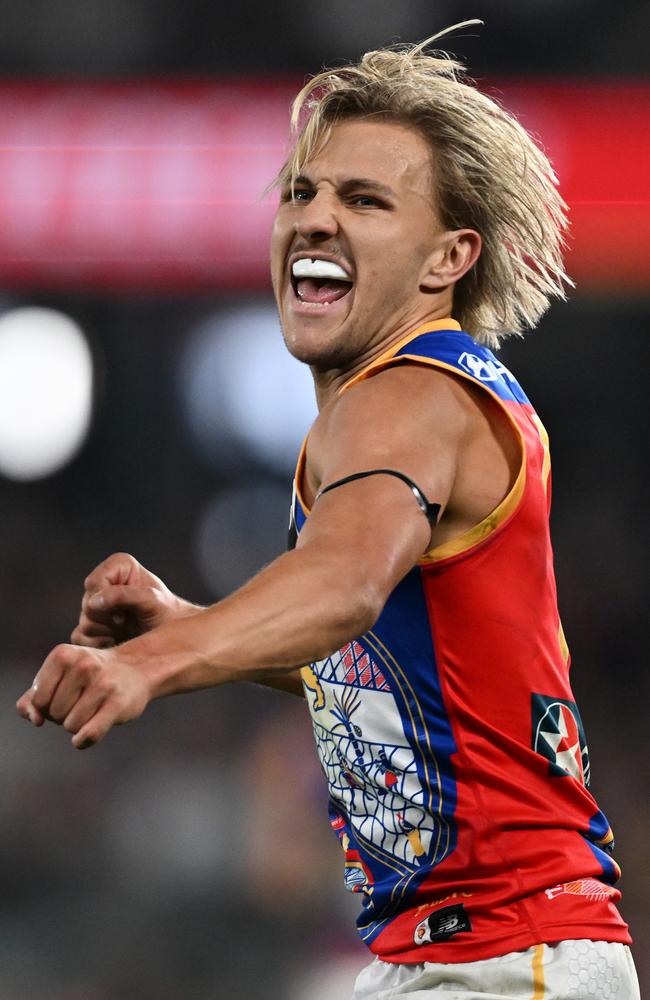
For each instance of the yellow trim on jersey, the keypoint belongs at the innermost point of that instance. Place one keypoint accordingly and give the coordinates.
(564, 649)
(539, 989)
(300, 469)
(389, 355)
(507, 507)
(543, 436)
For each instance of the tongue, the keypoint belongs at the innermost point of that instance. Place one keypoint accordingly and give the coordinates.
(321, 290)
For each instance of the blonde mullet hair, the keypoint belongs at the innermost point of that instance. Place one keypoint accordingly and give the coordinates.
(490, 174)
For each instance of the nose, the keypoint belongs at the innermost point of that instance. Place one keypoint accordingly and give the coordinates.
(317, 219)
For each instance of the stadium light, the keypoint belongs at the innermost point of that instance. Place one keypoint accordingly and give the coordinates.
(242, 391)
(46, 389)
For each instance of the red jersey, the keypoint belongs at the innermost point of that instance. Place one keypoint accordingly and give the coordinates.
(449, 735)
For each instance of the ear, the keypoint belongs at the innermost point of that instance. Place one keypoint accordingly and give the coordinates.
(456, 253)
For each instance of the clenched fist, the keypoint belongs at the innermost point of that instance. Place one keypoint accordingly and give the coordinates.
(87, 691)
(122, 600)
(89, 686)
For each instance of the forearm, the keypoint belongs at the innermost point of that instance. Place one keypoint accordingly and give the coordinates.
(289, 682)
(294, 611)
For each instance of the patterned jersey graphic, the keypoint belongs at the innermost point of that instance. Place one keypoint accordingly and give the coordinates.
(558, 735)
(370, 767)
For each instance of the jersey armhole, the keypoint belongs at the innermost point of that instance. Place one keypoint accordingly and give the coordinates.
(469, 539)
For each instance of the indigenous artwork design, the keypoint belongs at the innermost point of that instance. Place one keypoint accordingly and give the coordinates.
(370, 767)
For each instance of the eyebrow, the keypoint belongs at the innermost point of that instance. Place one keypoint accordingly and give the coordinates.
(351, 184)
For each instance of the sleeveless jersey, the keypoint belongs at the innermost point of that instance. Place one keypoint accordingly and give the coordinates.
(451, 742)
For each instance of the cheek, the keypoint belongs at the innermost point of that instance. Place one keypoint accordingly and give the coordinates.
(391, 272)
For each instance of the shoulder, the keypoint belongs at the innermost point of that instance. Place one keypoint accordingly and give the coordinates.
(400, 417)
(401, 395)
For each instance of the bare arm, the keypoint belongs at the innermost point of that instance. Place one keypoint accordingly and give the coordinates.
(358, 543)
(122, 600)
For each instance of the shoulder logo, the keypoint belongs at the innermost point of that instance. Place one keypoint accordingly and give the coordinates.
(483, 369)
(558, 735)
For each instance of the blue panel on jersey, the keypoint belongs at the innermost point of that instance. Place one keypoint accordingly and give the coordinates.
(460, 351)
(298, 514)
(610, 870)
(601, 842)
(401, 642)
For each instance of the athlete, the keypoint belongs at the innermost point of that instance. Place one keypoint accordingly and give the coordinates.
(419, 587)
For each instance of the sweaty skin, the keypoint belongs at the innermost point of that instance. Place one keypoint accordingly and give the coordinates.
(365, 203)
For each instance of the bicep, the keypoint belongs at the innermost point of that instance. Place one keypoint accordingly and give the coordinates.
(404, 420)
(373, 526)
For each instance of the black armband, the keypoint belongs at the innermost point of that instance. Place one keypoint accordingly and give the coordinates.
(430, 510)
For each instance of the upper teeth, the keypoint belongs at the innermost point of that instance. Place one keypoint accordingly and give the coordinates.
(307, 268)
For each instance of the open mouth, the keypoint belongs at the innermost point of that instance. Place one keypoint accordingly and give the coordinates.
(319, 282)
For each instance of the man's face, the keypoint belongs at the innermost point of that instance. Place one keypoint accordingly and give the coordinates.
(364, 204)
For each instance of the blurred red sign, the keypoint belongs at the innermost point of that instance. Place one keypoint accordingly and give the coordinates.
(158, 185)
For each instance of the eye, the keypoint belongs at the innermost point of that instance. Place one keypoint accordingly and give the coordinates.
(298, 196)
(366, 201)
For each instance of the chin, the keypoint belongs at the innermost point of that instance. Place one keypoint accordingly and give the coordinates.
(310, 349)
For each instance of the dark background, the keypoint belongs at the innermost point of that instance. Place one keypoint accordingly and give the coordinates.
(189, 856)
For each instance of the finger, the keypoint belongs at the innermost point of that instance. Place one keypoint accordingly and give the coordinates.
(87, 632)
(86, 707)
(117, 600)
(27, 710)
(89, 626)
(93, 609)
(120, 567)
(69, 690)
(48, 677)
(93, 642)
(96, 728)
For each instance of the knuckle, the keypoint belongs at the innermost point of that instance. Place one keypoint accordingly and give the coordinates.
(124, 561)
(66, 655)
(82, 668)
(109, 688)
(61, 653)
(87, 668)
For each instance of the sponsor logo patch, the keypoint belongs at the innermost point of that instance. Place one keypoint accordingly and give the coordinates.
(558, 735)
(442, 925)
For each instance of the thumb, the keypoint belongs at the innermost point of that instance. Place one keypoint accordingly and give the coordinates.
(120, 598)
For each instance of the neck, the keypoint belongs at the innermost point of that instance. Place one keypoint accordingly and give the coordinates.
(329, 383)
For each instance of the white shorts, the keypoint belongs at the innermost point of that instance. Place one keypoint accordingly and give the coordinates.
(569, 970)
